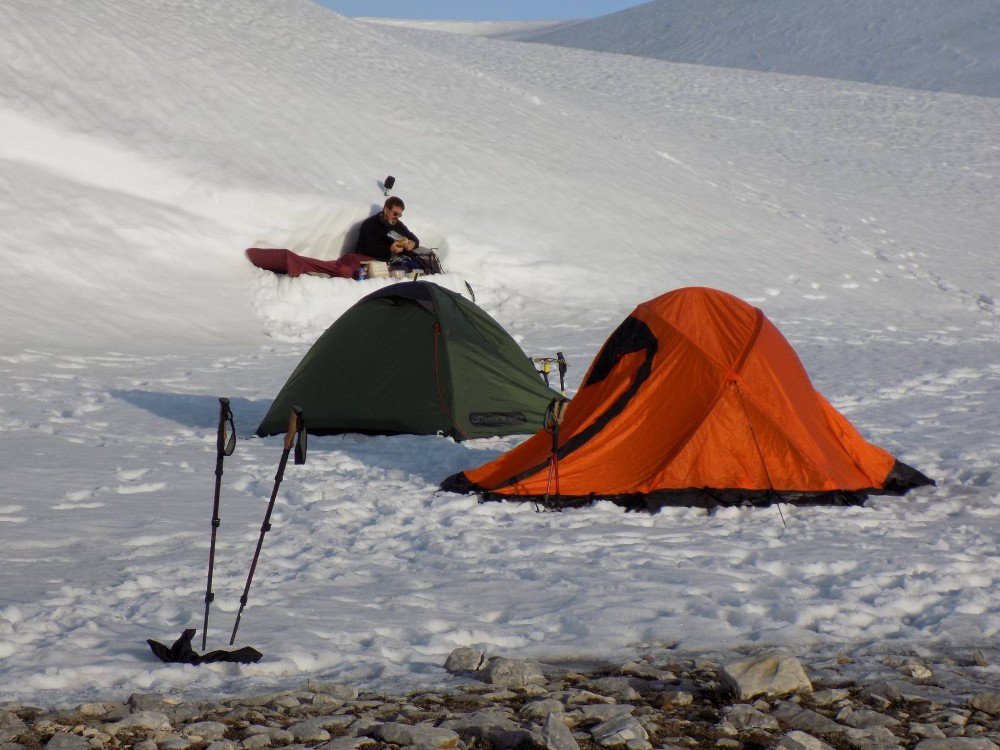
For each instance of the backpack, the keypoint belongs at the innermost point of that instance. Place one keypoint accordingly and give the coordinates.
(421, 259)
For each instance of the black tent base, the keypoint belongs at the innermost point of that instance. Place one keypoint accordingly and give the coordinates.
(900, 480)
(706, 498)
(182, 653)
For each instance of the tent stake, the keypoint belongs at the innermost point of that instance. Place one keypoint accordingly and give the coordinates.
(782, 515)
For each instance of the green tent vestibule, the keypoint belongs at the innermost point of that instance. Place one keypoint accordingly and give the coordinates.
(414, 358)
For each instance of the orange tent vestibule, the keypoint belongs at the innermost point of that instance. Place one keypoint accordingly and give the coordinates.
(696, 399)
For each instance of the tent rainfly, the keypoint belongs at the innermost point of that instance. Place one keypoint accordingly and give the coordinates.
(414, 358)
(696, 399)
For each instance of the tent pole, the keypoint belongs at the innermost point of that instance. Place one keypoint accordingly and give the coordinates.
(735, 382)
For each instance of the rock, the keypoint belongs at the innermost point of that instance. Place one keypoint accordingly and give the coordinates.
(619, 688)
(184, 713)
(674, 697)
(155, 720)
(745, 717)
(149, 702)
(207, 730)
(257, 735)
(324, 701)
(988, 703)
(283, 700)
(865, 718)
(727, 728)
(773, 673)
(363, 727)
(796, 740)
(539, 710)
(512, 672)
(874, 738)
(11, 726)
(222, 745)
(647, 671)
(335, 722)
(117, 712)
(464, 659)
(422, 735)
(883, 692)
(957, 743)
(96, 709)
(492, 726)
(66, 741)
(309, 731)
(831, 696)
(258, 741)
(927, 731)
(332, 689)
(557, 735)
(498, 697)
(575, 697)
(806, 720)
(618, 731)
(347, 743)
(604, 711)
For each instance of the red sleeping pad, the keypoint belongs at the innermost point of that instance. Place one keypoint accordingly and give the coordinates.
(285, 261)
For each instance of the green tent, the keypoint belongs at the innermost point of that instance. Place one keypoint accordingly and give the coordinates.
(414, 358)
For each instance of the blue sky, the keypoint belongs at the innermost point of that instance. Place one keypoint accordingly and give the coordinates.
(461, 10)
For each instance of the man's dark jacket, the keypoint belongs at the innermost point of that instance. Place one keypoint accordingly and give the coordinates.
(374, 240)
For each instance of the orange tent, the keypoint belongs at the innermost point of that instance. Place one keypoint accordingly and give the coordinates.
(696, 399)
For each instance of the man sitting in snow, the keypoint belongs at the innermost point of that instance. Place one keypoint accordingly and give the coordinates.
(375, 234)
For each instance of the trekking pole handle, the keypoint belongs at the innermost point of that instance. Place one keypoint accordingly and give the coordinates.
(224, 446)
(294, 427)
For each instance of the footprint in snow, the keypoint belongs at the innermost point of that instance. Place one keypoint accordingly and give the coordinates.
(7, 511)
(140, 488)
(77, 506)
(128, 475)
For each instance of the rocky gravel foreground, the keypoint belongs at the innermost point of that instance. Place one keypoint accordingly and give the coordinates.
(768, 700)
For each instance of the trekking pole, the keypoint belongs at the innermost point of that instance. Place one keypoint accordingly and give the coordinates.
(296, 429)
(553, 418)
(223, 447)
(563, 366)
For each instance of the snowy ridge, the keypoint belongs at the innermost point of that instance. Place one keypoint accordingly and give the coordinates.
(919, 44)
(489, 29)
(146, 143)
